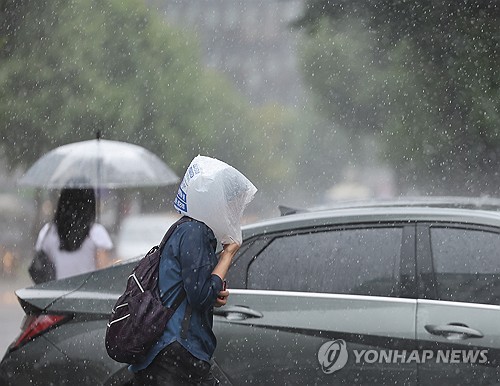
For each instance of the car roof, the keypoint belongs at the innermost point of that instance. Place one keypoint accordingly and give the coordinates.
(483, 211)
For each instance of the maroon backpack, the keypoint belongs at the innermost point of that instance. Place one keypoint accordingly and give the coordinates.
(139, 317)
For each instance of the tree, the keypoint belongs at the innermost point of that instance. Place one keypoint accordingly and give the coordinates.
(422, 75)
(71, 68)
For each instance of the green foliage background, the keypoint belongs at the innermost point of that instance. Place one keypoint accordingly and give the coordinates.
(70, 69)
(75, 68)
(420, 75)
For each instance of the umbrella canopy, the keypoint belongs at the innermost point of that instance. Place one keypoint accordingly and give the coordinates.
(98, 163)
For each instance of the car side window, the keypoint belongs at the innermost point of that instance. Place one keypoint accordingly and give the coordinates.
(349, 261)
(466, 265)
(237, 274)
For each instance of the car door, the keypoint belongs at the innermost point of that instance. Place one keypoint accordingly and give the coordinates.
(321, 306)
(458, 312)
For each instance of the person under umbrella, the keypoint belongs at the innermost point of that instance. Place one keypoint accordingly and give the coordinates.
(73, 241)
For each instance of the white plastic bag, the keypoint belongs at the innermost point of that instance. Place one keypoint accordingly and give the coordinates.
(216, 194)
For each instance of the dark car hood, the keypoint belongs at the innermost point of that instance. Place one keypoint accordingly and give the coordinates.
(91, 293)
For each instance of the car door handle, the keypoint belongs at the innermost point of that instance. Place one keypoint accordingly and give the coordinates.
(237, 312)
(453, 331)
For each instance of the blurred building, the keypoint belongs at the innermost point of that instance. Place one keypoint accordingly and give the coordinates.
(251, 41)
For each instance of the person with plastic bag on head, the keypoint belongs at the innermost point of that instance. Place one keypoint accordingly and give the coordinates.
(213, 195)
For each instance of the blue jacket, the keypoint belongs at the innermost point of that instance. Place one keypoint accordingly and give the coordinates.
(188, 260)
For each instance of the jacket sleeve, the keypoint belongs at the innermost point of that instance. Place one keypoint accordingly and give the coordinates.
(197, 258)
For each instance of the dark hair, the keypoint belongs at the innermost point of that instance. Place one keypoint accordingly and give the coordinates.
(75, 215)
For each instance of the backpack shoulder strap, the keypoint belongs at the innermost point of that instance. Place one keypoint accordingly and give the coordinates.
(171, 230)
(46, 230)
(182, 294)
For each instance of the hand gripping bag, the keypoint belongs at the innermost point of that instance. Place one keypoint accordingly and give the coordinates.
(216, 194)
